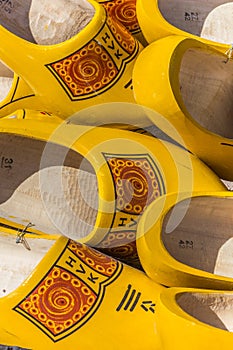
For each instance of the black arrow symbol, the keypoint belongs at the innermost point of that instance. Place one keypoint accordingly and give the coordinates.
(148, 306)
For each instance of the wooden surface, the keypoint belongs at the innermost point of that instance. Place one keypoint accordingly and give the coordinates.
(203, 238)
(188, 15)
(55, 189)
(211, 309)
(17, 262)
(6, 79)
(206, 82)
(44, 22)
(218, 24)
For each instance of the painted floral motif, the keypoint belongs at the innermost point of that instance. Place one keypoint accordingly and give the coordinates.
(71, 292)
(124, 11)
(60, 301)
(97, 66)
(138, 183)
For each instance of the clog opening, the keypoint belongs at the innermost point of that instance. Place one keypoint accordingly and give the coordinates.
(17, 262)
(206, 80)
(214, 309)
(57, 191)
(6, 80)
(46, 22)
(203, 236)
(218, 24)
(209, 19)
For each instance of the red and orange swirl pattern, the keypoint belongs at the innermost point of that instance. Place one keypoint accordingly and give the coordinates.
(68, 295)
(87, 70)
(135, 182)
(97, 66)
(123, 11)
(60, 301)
(94, 259)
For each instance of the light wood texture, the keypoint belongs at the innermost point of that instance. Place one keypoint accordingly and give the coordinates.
(218, 24)
(52, 22)
(46, 22)
(188, 15)
(6, 79)
(14, 17)
(206, 82)
(60, 196)
(203, 238)
(17, 263)
(212, 309)
(5, 85)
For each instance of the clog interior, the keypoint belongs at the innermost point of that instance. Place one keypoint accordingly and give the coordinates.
(203, 238)
(49, 185)
(205, 81)
(17, 262)
(210, 308)
(6, 79)
(200, 17)
(46, 22)
(42, 22)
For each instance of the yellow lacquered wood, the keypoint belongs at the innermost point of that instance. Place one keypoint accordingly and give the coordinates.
(177, 170)
(156, 85)
(11, 227)
(19, 96)
(167, 168)
(38, 66)
(154, 26)
(113, 320)
(156, 260)
(179, 330)
(125, 12)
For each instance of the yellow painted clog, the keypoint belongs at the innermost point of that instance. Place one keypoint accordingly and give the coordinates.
(74, 295)
(190, 84)
(195, 319)
(68, 66)
(185, 240)
(210, 21)
(89, 183)
(14, 93)
(124, 11)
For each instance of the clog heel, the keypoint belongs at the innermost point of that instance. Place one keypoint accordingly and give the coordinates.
(195, 319)
(210, 22)
(185, 240)
(64, 293)
(190, 84)
(69, 67)
(89, 183)
(124, 11)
